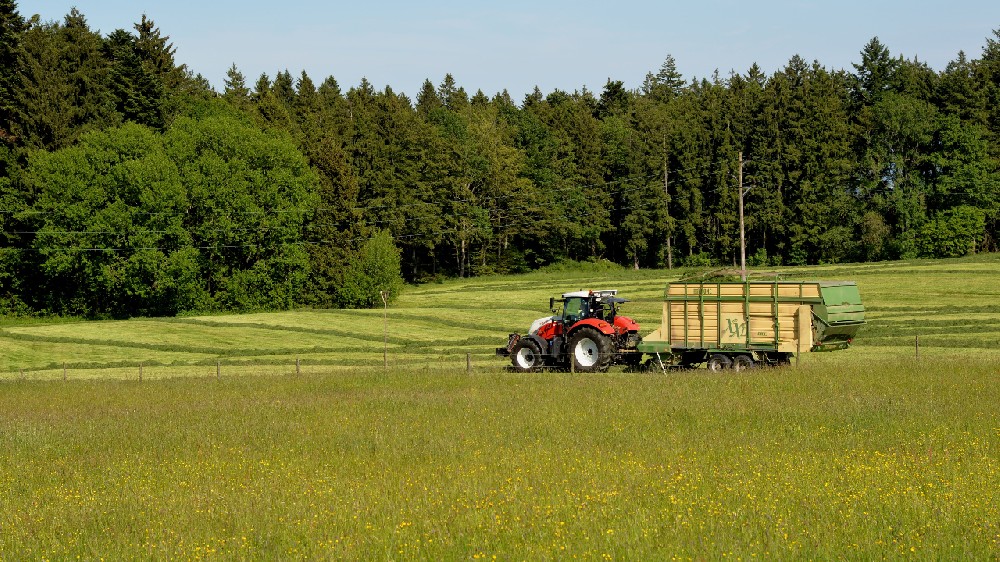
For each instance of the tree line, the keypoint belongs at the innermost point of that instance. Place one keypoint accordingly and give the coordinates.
(128, 186)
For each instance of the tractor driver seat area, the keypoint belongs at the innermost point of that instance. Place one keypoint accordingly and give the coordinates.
(598, 312)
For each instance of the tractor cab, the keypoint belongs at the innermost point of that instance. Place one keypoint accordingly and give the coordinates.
(580, 305)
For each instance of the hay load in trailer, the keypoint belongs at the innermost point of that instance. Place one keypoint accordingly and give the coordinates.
(744, 324)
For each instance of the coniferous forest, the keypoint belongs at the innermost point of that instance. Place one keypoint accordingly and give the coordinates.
(129, 186)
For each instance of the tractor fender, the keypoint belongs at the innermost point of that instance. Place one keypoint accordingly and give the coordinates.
(626, 324)
(600, 325)
(542, 344)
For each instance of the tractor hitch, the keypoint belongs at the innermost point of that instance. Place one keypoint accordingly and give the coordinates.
(512, 340)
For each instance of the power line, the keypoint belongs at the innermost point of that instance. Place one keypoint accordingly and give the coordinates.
(292, 210)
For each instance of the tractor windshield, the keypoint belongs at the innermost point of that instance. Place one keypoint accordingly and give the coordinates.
(574, 309)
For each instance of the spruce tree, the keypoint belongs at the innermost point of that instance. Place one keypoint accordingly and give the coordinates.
(875, 74)
(63, 84)
(235, 89)
(157, 54)
(12, 26)
(138, 92)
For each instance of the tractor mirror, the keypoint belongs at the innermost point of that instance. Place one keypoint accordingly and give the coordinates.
(552, 304)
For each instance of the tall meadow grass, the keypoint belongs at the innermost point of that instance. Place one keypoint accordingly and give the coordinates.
(872, 461)
(281, 435)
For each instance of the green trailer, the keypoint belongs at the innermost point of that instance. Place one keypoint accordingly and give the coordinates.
(743, 324)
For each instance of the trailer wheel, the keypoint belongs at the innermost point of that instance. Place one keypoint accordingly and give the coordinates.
(743, 363)
(719, 362)
(526, 356)
(589, 350)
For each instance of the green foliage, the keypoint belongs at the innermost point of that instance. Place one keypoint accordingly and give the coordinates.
(138, 91)
(208, 215)
(758, 259)
(576, 267)
(157, 56)
(372, 275)
(954, 233)
(700, 259)
(12, 26)
(873, 164)
(109, 217)
(63, 87)
(250, 195)
(236, 90)
(874, 236)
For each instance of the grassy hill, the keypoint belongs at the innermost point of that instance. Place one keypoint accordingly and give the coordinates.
(952, 305)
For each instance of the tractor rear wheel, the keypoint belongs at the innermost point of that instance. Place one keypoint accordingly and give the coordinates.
(526, 356)
(589, 350)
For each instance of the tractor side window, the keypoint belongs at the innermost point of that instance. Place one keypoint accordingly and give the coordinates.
(573, 310)
(598, 311)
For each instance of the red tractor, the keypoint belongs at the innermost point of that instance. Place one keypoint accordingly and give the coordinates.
(587, 336)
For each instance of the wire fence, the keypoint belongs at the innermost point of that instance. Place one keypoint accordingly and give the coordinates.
(470, 361)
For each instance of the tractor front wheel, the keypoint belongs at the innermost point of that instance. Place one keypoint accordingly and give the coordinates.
(526, 356)
(589, 350)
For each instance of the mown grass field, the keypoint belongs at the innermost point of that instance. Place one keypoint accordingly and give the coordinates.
(860, 454)
(952, 305)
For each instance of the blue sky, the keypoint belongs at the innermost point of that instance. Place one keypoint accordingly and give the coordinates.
(520, 44)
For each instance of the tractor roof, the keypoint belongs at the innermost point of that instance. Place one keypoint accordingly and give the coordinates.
(601, 294)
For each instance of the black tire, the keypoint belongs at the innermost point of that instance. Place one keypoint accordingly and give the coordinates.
(719, 362)
(526, 356)
(743, 363)
(589, 350)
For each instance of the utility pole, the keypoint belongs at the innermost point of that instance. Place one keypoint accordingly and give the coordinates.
(666, 205)
(743, 243)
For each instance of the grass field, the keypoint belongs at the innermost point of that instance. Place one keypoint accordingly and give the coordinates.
(860, 454)
(952, 305)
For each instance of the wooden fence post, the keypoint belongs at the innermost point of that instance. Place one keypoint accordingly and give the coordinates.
(468, 363)
(385, 329)
(298, 367)
(916, 347)
(64, 370)
(218, 369)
